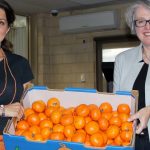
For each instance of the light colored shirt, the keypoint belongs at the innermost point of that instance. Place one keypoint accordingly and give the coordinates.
(126, 70)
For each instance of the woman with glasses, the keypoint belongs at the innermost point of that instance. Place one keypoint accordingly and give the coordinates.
(132, 70)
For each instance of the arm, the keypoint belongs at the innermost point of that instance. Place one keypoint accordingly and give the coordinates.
(143, 115)
(14, 109)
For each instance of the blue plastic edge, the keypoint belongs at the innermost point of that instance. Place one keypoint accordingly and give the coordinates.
(38, 88)
(89, 90)
(20, 141)
(123, 93)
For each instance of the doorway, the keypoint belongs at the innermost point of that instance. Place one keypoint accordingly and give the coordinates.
(105, 63)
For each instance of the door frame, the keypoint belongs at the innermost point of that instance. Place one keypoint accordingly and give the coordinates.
(104, 40)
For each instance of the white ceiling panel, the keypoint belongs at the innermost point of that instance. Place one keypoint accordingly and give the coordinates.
(28, 7)
(87, 2)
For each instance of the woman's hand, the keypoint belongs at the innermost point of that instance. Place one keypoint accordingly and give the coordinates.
(143, 115)
(27, 85)
(14, 110)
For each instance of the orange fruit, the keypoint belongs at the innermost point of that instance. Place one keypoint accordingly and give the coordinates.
(28, 135)
(38, 106)
(92, 106)
(81, 130)
(53, 102)
(124, 117)
(68, 139)
(127, 126)
(123, 108)
(112, 131)
(97, 140)
(110, 142)
(92, 127)
(63, 147)
(46, 123)
(57, 136)
(56, 116)
(106, 115)
(105, 138)
(95, 114)
(115, 121)
(103, 124)
(27, 112)
(87, 142)
(58, 128)
(78, 137)
(38, 137)
(79, 122)
(22, 125)
(87, 119)
(66, 120)
(33, 119)
(115, 114)
(69, 131)
(68, 111)
(49, 110)
(105, 107)
(42, 116)
(118, 141)
(46, 132)
(1, 137)
(82, 110)
(34, 129)
(126, 136)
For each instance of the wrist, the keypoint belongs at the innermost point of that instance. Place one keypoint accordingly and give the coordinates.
(2, 110)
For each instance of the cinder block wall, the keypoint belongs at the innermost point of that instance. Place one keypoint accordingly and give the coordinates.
(58, 59)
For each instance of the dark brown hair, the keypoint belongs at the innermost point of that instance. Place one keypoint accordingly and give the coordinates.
(10, 15)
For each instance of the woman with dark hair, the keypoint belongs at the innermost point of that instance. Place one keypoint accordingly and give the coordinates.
(15, 72)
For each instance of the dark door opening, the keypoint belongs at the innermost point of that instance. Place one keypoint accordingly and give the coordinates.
(107, 70)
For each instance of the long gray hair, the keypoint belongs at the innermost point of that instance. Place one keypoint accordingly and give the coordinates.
(130, 13)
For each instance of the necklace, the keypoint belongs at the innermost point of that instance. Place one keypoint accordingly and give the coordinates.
(6, 65)
(5, 83)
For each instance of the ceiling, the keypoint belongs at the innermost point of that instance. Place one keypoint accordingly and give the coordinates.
(29, 7)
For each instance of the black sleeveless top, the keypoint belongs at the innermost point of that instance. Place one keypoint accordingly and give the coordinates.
(22, 72)
(142, 141)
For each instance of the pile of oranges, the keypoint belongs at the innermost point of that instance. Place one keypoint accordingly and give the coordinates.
(90, 124)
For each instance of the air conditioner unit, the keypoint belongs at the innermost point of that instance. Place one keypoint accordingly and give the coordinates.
(89, 22)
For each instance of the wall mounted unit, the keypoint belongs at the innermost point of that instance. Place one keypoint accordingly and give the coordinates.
(89, 22)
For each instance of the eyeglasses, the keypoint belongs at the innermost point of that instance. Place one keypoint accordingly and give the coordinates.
(141, 23)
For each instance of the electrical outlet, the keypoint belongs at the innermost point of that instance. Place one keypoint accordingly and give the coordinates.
(82, 77)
